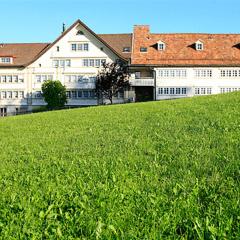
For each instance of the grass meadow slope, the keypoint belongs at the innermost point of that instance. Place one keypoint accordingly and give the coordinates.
(157, 170)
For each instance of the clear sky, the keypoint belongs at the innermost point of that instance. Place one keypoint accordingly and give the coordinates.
(41, 20)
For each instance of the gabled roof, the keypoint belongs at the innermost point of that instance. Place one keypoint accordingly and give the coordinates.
(26, 53)
(67, 31)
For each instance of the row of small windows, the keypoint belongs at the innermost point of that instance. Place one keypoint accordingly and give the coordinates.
(180, 73)
(202, 73)
(62, 63)
(230, 73)
(203, 91)
(5, 60)
(11, 94)
(11, 79)
(80, 94)
(93, 62)
(198, 73)
(43, 78)
(80, 47)
(172, 91)
(79, 79)
(227, 90)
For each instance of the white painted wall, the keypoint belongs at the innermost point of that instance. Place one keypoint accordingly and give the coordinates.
(44, 66)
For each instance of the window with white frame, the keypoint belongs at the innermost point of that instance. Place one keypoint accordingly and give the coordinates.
(172, 91)
(5, 59)
(43, 78)
(61, 63)
(229, 89)
(203, 73)
(161, 46)
(11, 94)
(79, 79)
(203, 90)
(230, 73)
(80, 94)
(93, 62)
(172, 73)
(199, 46)
(80, 47)
(11, 79)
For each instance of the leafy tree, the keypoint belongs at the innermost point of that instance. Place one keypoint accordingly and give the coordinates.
(54, 94)
(112, 79)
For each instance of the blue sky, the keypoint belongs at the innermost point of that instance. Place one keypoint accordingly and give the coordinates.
(41, 21)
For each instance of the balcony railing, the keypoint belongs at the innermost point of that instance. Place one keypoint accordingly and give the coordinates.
(148, 81)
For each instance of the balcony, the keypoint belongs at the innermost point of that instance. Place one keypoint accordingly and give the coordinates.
(145, 81)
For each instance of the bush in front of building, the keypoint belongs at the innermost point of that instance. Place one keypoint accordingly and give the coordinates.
(54, 94)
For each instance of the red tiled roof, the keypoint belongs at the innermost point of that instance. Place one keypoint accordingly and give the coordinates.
(118, 42)
(22, 53)
(219, 49)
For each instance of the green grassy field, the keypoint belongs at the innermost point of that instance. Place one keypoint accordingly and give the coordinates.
(157, 170)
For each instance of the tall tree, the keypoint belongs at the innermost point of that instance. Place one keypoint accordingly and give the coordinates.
(112, 79)
(54, 94)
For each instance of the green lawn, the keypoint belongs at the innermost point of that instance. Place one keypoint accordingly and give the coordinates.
(157, 170)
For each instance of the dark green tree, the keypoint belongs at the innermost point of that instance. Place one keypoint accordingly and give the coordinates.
(112, 79)
(54, 94)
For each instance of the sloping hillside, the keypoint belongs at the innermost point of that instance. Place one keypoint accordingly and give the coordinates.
(155, 170)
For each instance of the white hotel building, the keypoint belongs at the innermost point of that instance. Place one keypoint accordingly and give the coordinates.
(162, 66)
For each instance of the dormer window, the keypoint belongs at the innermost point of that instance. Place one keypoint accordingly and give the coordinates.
(126, 49)
(199, 46)
(161, 46)
(5, 60)
(143, 49)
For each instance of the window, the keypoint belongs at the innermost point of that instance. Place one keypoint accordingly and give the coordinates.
(74, 47)
(85, 46)
(172, 73)
(97, 62)
(143, 49)
(68, 93)
(230, 73)
(85, 94)
(79, 94)
(172, 91)
(85, 62)
(74, 94)
(231, 89)
(203, 73)
(80, 46)
(43, 78)
(5, 59)
(4, 94)
(161, 46)
(202, 91)
(21, 94)
(15, 94)
(68, 63)
(9, 94)
(11, 79)
(199, 45)
(126, 49)
(55, 63)
(58, 48)
(93, 62)
(62, 63)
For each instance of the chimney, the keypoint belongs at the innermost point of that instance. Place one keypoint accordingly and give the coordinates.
(141, 31)
(63, 28)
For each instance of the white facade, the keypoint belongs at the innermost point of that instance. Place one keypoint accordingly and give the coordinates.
(188, 82)
(74, 60)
